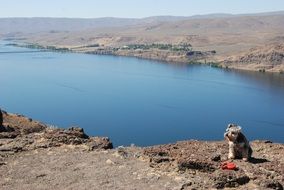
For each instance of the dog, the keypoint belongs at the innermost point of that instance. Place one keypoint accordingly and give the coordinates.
(238, 144)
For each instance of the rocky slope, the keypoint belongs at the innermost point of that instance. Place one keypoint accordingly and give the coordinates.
(264, 58)
(19, 133)
(36, 156)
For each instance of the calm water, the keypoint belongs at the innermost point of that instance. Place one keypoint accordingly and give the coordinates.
(139, 101)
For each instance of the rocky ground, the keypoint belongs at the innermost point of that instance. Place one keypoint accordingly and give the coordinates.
(199, 162)
(36, 156)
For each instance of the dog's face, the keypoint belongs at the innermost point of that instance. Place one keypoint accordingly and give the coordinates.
(232, 132)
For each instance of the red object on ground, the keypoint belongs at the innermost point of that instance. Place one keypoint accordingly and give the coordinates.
(228, 166)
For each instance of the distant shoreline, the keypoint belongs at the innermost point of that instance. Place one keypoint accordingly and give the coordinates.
(199, 57)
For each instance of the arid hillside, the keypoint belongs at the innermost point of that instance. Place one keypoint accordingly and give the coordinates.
(227, 35)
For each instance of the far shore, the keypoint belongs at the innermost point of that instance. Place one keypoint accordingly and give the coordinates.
(173, 57)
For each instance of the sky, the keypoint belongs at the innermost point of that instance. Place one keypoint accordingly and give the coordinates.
(132, 8)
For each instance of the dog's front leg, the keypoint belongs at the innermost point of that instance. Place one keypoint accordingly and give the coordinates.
(245, 155)
(232, 153)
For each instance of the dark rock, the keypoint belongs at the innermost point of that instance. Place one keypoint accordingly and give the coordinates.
(159, 159)
(34, 129)
(9, 129)
(186, 185)
(216, 157)
(78, 132)
(185, 164)
(11, 149)
(18, 144)
(8, 135)
(99, 143)
(122, 152)
(269, 184)
(2, 129)
(154, 152)
(72, 135)
(41, 175)
(6, 128)
(227, 178)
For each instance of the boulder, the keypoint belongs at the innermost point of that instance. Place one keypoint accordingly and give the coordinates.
(99, 143)
(2, 128)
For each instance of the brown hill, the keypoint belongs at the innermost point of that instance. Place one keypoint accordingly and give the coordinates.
(228, 35)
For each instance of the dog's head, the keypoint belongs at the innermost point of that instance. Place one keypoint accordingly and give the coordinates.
(232, 132)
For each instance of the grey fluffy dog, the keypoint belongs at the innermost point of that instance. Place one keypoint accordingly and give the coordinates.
(238, 144)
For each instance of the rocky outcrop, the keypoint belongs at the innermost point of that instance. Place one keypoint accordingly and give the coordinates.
(19, 133)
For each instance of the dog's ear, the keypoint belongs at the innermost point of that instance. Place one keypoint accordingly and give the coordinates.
(229, 126)
(226, 138)
(239, 128)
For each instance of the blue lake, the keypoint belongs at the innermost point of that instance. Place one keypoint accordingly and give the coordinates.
(140, 101)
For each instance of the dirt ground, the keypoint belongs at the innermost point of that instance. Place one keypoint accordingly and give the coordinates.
(75, 168)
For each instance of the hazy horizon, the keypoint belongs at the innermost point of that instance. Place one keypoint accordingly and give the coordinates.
(137, 9)
(196, 15)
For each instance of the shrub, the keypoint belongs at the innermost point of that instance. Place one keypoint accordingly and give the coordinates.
(262, 70)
